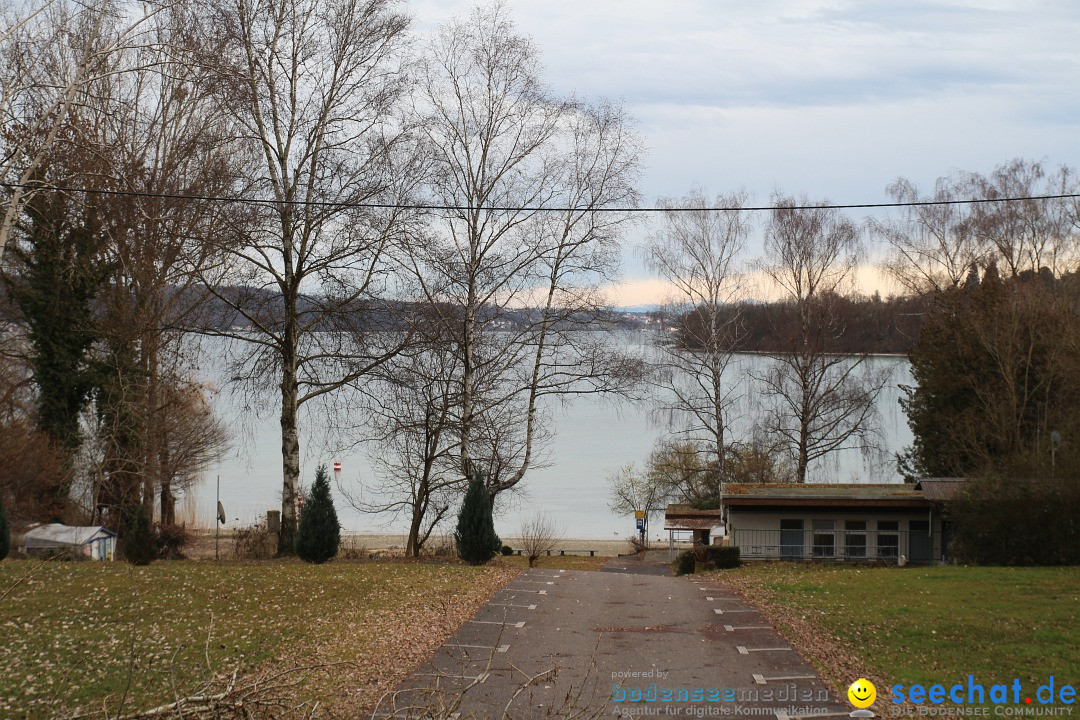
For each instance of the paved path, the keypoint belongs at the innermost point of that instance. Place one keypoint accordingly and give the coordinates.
(589, 644)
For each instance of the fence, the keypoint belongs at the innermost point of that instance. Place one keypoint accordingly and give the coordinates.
(880, 546)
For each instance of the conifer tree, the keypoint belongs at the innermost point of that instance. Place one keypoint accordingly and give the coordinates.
(319, 534)
(5, 534)
(475, 535)
(140, 545)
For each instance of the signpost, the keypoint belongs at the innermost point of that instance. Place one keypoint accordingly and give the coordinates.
(640, 517)
(220, 521)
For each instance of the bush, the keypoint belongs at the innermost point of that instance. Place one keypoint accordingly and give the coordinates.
(684, 563)
(171, 540)
(319, 535)
(254, 542)
(5, 533)
(475, 534)
(353, 548)
(507, 550)
(723, 557)
(140, 545)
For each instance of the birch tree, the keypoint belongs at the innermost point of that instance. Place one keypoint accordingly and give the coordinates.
(524, 176)
(820, 402)
(696, 253)
(314, 86)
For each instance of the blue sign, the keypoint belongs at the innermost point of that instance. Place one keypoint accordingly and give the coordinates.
(641, 523)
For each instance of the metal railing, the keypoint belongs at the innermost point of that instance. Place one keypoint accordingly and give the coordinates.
(877, 546)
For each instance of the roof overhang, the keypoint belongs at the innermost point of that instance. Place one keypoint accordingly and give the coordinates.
(690, 523)
(743, 501)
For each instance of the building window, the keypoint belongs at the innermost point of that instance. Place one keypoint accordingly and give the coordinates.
(791, 538)
(855, 538)
(824, 542)
(888, 539)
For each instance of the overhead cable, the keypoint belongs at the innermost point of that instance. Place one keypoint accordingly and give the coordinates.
(435, 207)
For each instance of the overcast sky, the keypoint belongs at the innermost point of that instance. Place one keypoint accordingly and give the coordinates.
(831, 99)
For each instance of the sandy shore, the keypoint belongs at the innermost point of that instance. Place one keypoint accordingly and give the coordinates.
(607, 548)
(202, 545)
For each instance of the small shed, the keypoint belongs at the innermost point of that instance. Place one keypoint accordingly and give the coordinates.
(704, 525)
(95, 542)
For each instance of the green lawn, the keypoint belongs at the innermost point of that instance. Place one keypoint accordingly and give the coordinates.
(935, 624)
(76, 635)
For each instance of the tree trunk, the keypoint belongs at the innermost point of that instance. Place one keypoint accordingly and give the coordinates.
(153, 424)
(290, 443)
(412, 547)
(468, 379)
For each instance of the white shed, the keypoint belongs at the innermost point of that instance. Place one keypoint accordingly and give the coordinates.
(95, 542)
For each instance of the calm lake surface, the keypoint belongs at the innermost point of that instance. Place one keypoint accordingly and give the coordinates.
(593, 437)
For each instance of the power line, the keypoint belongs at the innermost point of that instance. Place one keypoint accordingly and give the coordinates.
(526, 208)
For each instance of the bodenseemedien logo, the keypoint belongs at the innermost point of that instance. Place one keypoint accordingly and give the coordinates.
(862, 694)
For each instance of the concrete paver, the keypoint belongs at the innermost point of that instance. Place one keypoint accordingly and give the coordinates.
(630, 642)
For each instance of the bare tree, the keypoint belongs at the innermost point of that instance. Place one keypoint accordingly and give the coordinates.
(526, 174)
(633, 491)
(192, 439)
(168, 146)
(932, 245)
(696, 253)
(935, 245)
(820, 402)
(1027, 235)
(538, 536)
(314, 86)
(413, 430)
(50, 52)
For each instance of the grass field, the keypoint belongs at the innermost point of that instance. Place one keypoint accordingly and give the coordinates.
(926, 625)
(93, 636)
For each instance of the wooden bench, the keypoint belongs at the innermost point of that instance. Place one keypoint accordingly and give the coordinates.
(592, 553)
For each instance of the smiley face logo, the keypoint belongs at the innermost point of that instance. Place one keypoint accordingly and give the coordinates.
(862, 693)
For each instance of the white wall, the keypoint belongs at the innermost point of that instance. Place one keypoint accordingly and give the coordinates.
(758, 533)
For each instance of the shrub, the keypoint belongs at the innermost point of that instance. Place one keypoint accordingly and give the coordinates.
(319, 534)
(507, 550)
(140, 545)
(171, 540)
(684, 563)
(254, 542)
(539, 535)
(353, 548)
(475, 534)
(5, 533)
(724, 557)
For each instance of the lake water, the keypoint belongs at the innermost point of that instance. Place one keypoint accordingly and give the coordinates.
(593, 437)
